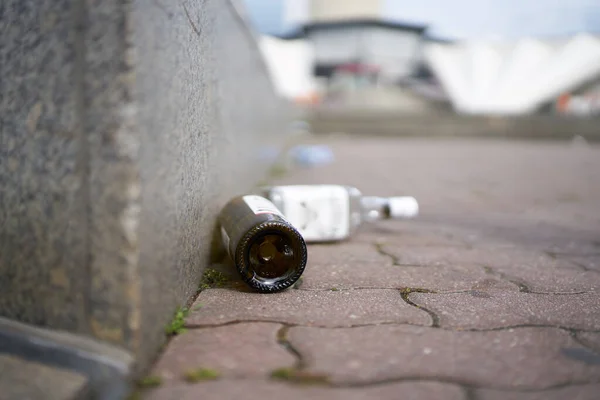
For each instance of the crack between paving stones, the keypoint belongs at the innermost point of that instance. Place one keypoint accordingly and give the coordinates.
(292, 325)
(469, 392)
(583, 267)
(582, 342)
(338, 289)
(299, 373)
(523, 287)
(405, 292)
(444, 328)
(395, 261)
(283, 341)
(555, 254)
(560, 256)
(440, 291)
(466, 386)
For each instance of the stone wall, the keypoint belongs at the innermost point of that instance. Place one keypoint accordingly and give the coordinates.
(124, 127)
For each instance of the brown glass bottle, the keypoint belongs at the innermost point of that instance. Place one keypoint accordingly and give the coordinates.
(269, 253)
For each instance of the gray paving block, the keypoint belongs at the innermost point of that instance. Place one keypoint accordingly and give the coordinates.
(520, 358)
(346, 253)
(344, 275)
(588, 262)
(303, 307)
(515, 264)
(589, 339)
(490, 308)
(414, 232)
(260, 390)
(491, 256)
(237, 350)
(575, 392)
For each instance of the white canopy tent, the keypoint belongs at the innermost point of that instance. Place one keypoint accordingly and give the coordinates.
(513, 78)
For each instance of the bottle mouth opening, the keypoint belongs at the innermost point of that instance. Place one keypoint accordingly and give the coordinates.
(272, 257)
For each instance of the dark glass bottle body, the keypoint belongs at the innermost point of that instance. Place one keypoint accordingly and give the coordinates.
(268, 252)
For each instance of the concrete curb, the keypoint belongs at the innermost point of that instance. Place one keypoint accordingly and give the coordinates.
(107, 368)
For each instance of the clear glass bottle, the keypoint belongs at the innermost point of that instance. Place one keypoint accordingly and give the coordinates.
(325, 213)
(269, 253)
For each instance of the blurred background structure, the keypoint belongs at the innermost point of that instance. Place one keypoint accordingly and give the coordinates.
(404, 57)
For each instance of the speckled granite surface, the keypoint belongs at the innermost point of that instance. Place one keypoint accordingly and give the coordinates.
(124, 126)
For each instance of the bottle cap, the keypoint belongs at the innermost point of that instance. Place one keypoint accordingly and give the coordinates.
(403, 207)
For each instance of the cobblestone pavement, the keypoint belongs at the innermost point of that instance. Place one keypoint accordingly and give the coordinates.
(491, 293)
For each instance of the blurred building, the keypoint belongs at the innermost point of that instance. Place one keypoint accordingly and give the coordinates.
(353, 42)
(341, 10)
(347, 51)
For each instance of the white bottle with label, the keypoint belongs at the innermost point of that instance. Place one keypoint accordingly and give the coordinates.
(325, 213)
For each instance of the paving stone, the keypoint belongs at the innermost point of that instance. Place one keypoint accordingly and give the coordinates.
(316, 308)
(26, 380)
(490, 256)
(575, 392)
(588, 262)
(547, 279)
(494, 230)
(516, 264)
(586, 246)
(519, 358)
(320, 274)
(238, 350)
(261, 390)
(590, 339)
(489, 309)
(353, 253)
(412, 233)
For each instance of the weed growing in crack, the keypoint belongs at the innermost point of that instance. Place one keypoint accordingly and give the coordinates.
(282, 373)
(200, 375)
(177, 324)
(149, 381)
(295, 375)
(135, 395)
(407, 291)
(212, 279)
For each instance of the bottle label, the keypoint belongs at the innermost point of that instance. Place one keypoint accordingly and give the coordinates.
(260, 205)
(319, 212)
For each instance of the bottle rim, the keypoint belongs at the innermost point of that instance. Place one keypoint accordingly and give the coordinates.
(242, 256)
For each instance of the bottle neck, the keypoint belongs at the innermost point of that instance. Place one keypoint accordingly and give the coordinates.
(374, 208)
